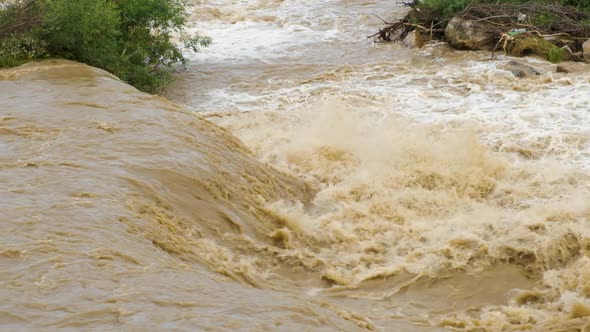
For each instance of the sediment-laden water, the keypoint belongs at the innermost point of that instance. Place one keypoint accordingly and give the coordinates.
(354, 186)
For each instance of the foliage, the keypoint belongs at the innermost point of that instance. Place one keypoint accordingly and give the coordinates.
(543, 19)
(134, 39)
(16, 50)
(580, 4)
(538, 46)
(86, 31)
(555, 54)
(18, 40)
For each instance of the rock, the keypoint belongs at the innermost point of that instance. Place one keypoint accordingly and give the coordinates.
(561, 41)
(586, 50)
(569, 54)
(572, 67)
(414, 40)
(467, 34)
(520, 69)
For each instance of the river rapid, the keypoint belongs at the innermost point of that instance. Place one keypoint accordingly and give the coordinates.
(303, 178)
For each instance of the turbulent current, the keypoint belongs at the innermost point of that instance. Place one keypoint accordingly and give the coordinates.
(301, 179)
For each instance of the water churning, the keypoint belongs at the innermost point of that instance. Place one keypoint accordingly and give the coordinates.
(310, 180)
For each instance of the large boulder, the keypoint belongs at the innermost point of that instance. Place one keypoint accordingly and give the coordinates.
(586, 50)
(520, 69)
(469, 34)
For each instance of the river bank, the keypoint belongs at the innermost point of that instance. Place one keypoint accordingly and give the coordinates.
(550, 30)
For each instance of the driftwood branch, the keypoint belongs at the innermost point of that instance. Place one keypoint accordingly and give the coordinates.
(381, 18)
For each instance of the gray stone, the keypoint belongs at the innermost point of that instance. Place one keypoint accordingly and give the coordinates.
(467, 34)
(568, 52)
(414, 40)
(520, 69)
(572, 67)
(560, 41)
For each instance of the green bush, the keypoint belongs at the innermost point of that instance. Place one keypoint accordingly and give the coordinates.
(18, 49)
(555, 54)
(19, 42)
(86, 31)
(133, 39)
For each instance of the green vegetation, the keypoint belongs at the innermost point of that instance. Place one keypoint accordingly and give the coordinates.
(133, 39)
(538, 46)
(543, 19)
(439, 9)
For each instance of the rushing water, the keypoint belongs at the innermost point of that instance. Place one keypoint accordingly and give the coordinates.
(374, 187)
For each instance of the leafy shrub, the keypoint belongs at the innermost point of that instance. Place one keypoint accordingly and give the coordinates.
(86, 31)
(18, 49)
(133, 39)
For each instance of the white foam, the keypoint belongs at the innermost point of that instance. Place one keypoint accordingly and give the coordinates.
(248, 41)
(548, 114)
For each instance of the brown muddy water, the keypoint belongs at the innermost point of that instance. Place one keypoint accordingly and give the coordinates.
(309, 181)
